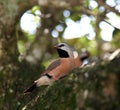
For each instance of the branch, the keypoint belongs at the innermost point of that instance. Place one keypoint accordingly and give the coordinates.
(73, 84)
(24, 6)
(102, 2)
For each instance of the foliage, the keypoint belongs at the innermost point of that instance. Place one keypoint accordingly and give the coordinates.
(22, 56)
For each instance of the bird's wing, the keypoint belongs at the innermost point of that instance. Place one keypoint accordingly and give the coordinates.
(52, 66)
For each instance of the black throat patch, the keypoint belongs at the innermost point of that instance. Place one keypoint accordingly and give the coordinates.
(62, 53)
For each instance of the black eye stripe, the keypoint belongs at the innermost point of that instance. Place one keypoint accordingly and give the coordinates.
(61, 45)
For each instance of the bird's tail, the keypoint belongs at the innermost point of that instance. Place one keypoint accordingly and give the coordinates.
(31, 88)
(84, 54)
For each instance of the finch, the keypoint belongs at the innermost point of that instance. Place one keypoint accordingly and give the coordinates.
(68, 60)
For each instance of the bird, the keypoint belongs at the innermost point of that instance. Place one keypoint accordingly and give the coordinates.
(68, 60)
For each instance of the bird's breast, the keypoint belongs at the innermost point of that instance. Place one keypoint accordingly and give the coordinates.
(63, 69)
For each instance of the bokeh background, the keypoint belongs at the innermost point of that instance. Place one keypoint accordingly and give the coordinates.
(28, 31)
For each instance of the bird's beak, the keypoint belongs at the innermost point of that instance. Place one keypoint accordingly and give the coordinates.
(56, 46)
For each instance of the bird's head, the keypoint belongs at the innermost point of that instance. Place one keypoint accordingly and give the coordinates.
(64, 50)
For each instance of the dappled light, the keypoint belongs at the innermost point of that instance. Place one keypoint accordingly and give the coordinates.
(30, 31)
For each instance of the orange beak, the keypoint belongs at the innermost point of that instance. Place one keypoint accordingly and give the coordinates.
(56, 46)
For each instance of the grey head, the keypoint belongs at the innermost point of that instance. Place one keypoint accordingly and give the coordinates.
(64, 50)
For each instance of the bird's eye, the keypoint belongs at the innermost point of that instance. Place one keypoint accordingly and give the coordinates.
(61, 45)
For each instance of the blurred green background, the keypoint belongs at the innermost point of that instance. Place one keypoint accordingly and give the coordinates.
(28, 31)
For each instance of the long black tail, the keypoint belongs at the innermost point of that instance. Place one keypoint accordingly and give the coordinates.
(30, 89)
(84, 54)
